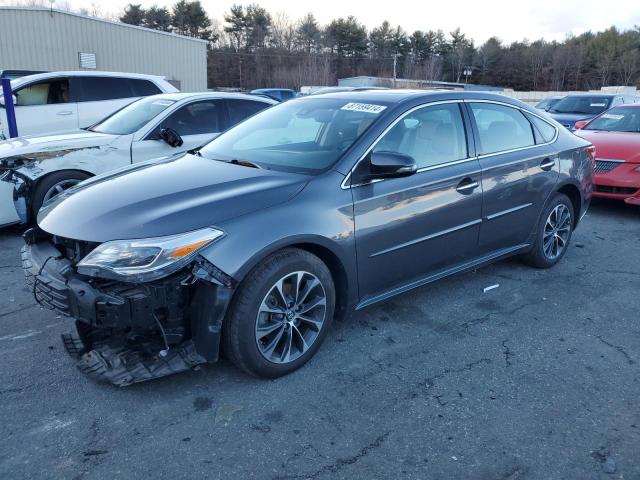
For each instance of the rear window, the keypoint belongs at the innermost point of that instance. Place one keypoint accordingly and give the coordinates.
(544, 131)
(501, 128)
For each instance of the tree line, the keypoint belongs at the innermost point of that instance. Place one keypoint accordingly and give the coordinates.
(253, 48)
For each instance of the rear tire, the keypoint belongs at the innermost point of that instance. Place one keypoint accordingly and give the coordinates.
(280, 314)
(49, 185)
(553, 233)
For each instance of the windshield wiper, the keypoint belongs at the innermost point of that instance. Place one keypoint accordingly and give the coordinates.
(235, 161)
(244, 163)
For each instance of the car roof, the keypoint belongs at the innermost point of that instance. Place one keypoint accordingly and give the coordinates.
(273, 90)
(85, 73)
(180, 96)
(594, 94)
(399, 96)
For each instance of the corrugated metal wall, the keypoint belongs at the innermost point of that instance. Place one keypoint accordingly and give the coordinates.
(35, 39)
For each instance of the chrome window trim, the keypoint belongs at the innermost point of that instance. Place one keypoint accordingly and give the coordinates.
(345, 185)
(523, 111)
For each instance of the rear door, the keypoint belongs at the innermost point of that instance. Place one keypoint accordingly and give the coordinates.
(100, 96)
(197, 123)
(408, 228)
(46, 106)
(519, 170)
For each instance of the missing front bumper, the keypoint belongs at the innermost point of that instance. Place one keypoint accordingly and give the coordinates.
(129, 333)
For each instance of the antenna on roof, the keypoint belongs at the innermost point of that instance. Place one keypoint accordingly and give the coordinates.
(51, 2)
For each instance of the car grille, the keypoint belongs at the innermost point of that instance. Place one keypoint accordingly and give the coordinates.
(605, 166)
(615, 190)
(48, 296)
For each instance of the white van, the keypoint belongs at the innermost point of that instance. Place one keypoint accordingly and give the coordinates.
(61, 101)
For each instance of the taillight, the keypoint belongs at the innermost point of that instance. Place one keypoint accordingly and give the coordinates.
(591, 151)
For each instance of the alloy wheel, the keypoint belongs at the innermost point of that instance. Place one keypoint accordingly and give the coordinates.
(557, 230)
(58, 188)
(290, 317)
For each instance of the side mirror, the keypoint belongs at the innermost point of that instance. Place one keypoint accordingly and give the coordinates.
(171, 137)
(579, 125)
(392, 165)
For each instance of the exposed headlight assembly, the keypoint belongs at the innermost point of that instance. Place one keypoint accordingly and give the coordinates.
(146, 259)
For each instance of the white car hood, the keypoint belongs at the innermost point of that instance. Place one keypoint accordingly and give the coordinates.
(30, 144)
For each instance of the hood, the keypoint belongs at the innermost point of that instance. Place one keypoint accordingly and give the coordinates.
(173, 196)
(39, 144)
(569, 119)
(614, 145)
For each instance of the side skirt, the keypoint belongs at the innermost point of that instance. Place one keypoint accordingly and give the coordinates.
(463, 267)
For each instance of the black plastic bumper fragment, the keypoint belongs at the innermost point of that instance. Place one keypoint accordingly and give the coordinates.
(125, 366)
(128, 333)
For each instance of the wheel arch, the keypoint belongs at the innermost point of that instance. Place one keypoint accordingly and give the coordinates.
(327, 251)
(573, 192)
(36, 182)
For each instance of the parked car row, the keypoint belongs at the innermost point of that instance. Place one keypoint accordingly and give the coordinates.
(616, 136)
(39, 167)
(252, 243)
(612, 123)
(62, 101)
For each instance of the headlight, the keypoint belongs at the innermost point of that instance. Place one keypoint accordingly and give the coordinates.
(146, 259)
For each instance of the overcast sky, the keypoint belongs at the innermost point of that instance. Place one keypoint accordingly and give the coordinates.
(508, 19)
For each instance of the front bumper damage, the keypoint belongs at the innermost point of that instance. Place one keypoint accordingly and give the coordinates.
(129, 333)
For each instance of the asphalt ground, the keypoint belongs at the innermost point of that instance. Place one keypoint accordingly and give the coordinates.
(535, 379)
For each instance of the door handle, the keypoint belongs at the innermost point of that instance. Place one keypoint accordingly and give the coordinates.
(65, 113)
(467, 186)
(547, 164)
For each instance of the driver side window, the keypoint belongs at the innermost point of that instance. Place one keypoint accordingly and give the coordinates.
(195, 118)
(48, 92)
(432, 135)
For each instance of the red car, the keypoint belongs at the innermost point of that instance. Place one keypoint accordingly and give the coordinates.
(616, 136)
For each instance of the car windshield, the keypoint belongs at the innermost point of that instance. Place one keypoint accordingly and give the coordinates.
(306, 136)
(582, 104)
(618, 119)
(132, 117)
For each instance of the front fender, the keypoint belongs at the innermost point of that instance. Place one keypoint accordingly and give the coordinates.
(323, 224)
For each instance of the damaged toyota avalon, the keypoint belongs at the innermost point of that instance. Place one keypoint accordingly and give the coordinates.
(250, 246)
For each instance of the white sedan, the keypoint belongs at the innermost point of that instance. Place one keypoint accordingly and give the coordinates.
(35, 168)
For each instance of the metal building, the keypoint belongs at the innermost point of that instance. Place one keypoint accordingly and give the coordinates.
(49, 39)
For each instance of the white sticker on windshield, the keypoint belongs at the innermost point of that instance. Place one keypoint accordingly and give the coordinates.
(612, 116)
(364, 107)
(598, 104)
(164, 103)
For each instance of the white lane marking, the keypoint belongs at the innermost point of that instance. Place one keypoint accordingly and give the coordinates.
(20, 336)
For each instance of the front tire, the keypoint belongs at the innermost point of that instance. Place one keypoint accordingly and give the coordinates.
(553, 233)
(280, 314)
(52, 185)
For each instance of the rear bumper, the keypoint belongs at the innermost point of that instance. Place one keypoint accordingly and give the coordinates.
(128, 333)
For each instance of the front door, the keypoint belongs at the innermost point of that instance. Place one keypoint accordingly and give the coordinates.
(197, 123)
(45, 107)
(409, 228)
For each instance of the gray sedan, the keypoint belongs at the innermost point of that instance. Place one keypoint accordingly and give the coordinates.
(255, 243)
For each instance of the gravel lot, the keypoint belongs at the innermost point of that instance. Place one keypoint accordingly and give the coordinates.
(538, 378)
